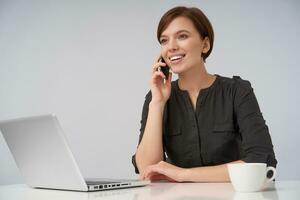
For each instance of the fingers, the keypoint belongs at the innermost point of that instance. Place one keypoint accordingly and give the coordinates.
(146, 174)
(160, 177)
(169, 79)
(150, 172)
(161, 171)
(157, 65)
(154, 174)
(158, 74)
(157, 59)
(162, 79)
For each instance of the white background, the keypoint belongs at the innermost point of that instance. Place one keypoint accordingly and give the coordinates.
(89, 62)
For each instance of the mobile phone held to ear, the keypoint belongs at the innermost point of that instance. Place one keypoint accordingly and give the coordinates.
(165, 69)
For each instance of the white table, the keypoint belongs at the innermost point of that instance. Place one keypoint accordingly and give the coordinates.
(289, 190)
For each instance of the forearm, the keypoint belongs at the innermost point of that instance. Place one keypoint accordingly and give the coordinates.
(150, 149)
(218, 173)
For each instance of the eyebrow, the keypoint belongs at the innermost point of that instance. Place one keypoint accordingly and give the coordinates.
(180, 31)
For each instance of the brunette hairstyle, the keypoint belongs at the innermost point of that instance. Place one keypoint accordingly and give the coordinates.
(198, 18)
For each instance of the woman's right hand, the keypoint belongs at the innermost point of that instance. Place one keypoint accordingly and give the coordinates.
(160, 89)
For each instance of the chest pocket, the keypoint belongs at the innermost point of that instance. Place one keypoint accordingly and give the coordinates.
(222, 136)
(222, 145)
(226, 127)
(173, 143)
(173, 131)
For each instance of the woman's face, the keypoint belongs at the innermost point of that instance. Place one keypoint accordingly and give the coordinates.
(182, 45)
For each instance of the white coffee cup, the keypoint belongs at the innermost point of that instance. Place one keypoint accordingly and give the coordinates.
(249, 177)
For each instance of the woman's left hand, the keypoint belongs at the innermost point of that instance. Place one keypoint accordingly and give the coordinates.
(163, 171)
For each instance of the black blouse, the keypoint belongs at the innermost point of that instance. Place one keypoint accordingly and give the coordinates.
(226, 126)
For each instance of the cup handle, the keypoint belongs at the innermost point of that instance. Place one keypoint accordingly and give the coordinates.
(274, 173)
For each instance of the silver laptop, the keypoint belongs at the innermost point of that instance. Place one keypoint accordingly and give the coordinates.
(45, 160)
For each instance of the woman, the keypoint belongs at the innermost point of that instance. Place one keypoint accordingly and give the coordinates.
(193, 127)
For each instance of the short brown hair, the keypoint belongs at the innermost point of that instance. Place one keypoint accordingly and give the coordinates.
(198, 18)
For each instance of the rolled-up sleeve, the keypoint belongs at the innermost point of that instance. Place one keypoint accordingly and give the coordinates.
(256, 141)
(143, 125)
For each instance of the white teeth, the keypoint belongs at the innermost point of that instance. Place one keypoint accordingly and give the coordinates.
(176, 57)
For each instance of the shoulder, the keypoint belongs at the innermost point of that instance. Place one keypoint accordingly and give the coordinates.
(235, 84)
(235, 81)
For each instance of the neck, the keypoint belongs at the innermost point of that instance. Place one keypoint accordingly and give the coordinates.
(195, 79)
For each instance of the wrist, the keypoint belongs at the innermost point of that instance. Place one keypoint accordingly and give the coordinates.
(157, 104)
(185, 175)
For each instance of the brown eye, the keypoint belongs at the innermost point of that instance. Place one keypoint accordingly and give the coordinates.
(183, 36)
(162, 41)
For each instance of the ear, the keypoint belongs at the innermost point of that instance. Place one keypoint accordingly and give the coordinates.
(206, 45)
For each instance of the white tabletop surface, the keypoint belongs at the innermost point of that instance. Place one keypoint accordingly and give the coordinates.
(289, 190)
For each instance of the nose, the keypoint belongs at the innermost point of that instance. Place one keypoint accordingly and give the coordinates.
(172, 45)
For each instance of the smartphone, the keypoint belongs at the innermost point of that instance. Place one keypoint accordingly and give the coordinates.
(165, 69)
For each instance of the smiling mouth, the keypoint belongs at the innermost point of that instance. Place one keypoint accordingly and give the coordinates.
(176, 59)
